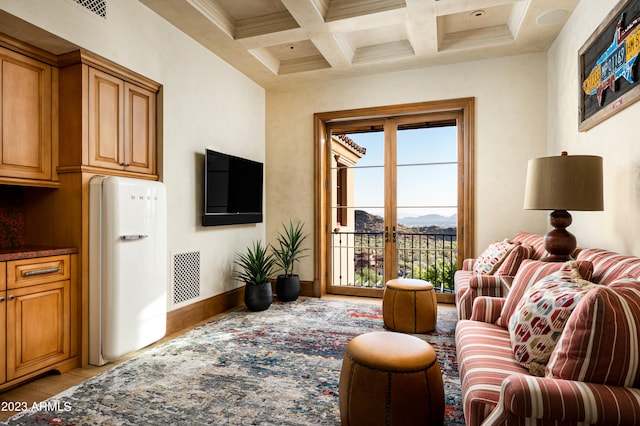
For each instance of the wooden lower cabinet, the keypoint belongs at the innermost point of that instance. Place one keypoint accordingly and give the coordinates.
(37, 327)
(3, 340)
(36, 317)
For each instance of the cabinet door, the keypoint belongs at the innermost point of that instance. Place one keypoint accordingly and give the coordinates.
(106, 120)
(3, 323)
(38, 327)
(140, 129)
(25, 114)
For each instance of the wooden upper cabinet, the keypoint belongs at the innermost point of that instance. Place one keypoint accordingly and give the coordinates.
(106, 118)
(25, 118)
(140, 129)
(121, 124)
(118, 110)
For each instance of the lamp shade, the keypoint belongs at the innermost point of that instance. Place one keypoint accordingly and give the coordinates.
(565, 182)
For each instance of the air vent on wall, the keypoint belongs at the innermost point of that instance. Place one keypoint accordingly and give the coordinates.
(99, 7)
(186, 276)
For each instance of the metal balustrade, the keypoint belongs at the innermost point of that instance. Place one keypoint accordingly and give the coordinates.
(358, 258)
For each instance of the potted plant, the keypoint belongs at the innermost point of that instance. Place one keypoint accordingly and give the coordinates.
(287, 252)
(256, 266)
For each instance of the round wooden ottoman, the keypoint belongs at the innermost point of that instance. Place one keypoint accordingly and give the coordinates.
(390, 378)
(409, 306)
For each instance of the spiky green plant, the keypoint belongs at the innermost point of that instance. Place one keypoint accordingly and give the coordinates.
(289, 248)
(256, 265)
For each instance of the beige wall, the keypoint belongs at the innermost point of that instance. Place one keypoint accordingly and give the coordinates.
(616, 139)
(511, 111)
(206, 103)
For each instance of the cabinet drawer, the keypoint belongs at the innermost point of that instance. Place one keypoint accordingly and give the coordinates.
(26, 272)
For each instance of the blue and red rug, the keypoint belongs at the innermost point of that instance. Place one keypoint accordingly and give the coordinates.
(277, 367)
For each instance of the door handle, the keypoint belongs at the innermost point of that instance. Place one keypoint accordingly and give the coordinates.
(394, 234)
(133, 237)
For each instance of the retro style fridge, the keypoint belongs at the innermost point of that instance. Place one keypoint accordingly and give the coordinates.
(127, 266)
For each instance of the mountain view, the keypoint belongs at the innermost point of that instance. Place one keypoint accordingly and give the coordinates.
(432, 223)
(430, 220)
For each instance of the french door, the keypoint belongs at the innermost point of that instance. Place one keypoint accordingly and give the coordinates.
(395, 201)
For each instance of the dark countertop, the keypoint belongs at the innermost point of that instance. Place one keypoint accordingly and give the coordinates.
(30, 252)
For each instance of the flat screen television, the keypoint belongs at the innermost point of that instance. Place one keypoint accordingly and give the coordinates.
(232, 190)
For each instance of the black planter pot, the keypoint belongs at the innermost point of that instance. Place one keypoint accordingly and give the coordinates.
(287, 287)
(258, 297)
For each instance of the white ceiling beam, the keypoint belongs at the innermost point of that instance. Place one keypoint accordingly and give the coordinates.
(309, 14)
(214, 13)
(450, 7)
(422, 28)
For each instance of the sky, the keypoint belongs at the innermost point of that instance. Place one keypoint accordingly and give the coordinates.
(424, 186)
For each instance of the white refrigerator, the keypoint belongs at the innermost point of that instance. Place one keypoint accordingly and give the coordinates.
(127, 266)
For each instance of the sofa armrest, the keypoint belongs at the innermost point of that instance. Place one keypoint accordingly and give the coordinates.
(539, 400)
(467, 264)
(486, 285)
(487, 309)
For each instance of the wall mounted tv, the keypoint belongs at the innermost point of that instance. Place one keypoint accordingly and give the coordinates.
(232, 190)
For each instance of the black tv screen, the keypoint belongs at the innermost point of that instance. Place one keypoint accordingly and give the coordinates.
(232, 190)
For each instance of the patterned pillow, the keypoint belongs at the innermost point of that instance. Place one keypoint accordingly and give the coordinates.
(529, 273)
(491, 258)
(541, 315)
(512, 262)
(601, 343)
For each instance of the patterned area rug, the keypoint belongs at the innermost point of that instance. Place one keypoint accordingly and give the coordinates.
(276, 367)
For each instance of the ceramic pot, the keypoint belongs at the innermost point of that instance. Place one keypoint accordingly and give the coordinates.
(287, 287)
(258, 297)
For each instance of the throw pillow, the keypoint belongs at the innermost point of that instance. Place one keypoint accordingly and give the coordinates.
(541, 315)
(491, 258)
(512, 262)
(601, 343)
(529, 273)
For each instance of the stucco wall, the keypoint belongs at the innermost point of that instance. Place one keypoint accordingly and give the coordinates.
(205, 102)
(511, 112)
(616, 139)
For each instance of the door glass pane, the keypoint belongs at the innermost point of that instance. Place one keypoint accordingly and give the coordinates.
(358, 202)
(426, 209)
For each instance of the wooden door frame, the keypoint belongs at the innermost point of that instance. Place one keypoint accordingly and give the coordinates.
(322, 188)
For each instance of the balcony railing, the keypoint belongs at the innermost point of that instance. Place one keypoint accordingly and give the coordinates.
(358, 258)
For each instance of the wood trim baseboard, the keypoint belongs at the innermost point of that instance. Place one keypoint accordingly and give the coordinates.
(306, 289)
(192, 315)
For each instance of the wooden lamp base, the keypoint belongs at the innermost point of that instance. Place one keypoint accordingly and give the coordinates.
(559, 243)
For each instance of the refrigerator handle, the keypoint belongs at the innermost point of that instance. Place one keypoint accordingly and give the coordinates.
(133, 237)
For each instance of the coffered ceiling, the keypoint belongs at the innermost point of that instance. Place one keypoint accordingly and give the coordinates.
(278, 42)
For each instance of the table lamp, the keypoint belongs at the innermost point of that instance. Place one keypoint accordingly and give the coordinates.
(561, 183)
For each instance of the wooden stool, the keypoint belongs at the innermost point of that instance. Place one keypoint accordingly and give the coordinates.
(409, 306)
(389, 379)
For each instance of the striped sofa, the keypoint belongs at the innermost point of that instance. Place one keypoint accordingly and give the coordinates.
(593, 374)
(469, 285)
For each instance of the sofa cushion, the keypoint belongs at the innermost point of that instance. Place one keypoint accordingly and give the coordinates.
(534, 241)
(491, 258)
(530, 272)
(609, 266)
(601, 343)
(541, 315)
(512, 262)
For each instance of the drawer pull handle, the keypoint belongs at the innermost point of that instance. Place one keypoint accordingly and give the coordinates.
(1, 299)
(11, 297)
(41, 271)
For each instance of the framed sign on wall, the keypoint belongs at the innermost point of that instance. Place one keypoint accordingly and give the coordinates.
(608, 65)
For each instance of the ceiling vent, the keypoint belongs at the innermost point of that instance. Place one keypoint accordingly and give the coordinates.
(99, 7)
